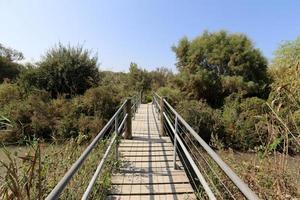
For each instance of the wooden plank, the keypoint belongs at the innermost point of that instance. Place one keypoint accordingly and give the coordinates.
(146, 153)
(151, 189)
(149, 149)
(146, 170)
(145, 140)
(148, 145)
(153, 197)
(159, 164)
(150, 178)
(148, 158)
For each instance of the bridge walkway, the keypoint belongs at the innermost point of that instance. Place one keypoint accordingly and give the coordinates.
(147, 170)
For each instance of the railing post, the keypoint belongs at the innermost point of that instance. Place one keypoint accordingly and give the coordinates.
(156, 106)
(136, 105)
(175, 143)
(117, 138)
(128, 128)
(162, 119)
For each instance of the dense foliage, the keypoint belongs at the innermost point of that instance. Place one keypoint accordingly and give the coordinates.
(64, 70)
(222, 53)
(205, 120)
(223, 89)
(65, 95)
(9, 68)
(284, 99)
(216, 64)
(242, 118)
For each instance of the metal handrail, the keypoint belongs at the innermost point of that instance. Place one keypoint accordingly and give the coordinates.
(156, 100)
(243, 187)
(202, 180)
(55, 193)
(136, 101)
(98, 170)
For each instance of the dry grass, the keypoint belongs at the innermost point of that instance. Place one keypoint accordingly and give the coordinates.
(31, 172)
(266, 176)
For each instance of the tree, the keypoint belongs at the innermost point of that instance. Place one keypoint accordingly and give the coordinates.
(203, 84)
(160, 77)
(223, 53)
(209, 60)
(10, 54)
(139, 78)
(64, 70)
(9, 68)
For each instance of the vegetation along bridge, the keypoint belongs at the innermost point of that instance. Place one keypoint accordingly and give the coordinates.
(160, 157)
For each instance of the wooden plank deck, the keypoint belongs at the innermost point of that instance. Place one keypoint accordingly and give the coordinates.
(147, 167)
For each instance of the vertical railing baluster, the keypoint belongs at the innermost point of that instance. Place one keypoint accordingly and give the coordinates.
(117, 137)
(162, 119)
(175, 143)
(136, 105)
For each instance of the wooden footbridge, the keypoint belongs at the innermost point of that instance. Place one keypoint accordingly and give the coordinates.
(147, 169)
(161, 157)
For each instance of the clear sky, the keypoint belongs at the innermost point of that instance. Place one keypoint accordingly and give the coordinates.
(142, 31)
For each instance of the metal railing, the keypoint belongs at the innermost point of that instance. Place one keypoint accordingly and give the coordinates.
(210, 176)
(118, 124)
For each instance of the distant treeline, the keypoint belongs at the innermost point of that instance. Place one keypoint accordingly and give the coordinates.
(224, 88)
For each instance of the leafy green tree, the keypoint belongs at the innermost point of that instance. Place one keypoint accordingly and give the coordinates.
(10, 54)
(139, 79)
(223, 53)
(160, 77)
(173, 95)
(203, 84)
(9, 68)
(208, 62)
(237, 84)
(64, 70)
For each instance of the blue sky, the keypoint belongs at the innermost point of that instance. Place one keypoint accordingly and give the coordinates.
(141, 31)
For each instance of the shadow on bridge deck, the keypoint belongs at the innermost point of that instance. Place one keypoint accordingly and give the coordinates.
(147, 167)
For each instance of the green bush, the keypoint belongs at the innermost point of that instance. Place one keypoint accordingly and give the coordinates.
(206, 121)
(89, 126)
(101, 102)
(30, 117)
(148, 98)
(64, 70)
(68, 127)
(30, 79)
(173, 95)
(9, 93)
(242, 119)
(40, 116)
